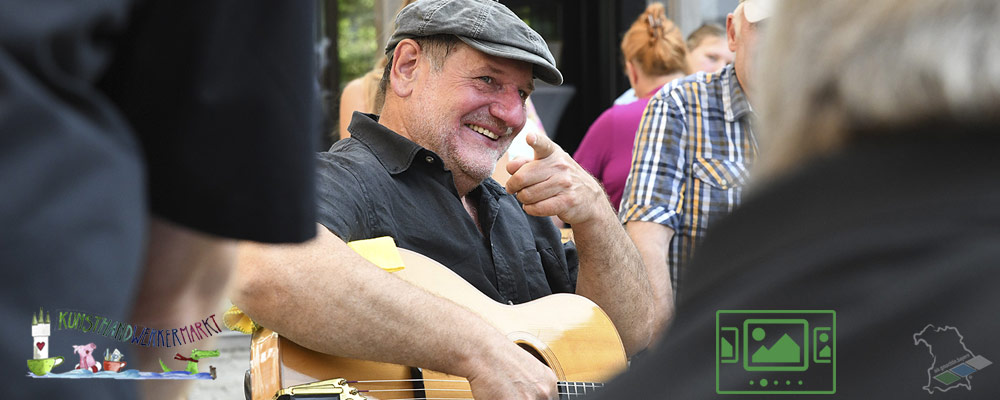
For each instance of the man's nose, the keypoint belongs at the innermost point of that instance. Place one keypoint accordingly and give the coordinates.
(509, 107)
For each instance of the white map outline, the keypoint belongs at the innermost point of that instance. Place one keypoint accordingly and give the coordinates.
(930, 370)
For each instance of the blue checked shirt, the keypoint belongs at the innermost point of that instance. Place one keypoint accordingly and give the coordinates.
(690, 160)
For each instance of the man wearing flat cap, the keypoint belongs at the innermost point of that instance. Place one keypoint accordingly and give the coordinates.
(458, 75)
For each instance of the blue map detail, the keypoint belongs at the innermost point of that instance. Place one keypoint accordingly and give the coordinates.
(963, 370)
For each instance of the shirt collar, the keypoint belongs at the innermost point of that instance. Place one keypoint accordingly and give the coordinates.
(493, 188)
(734, 99)
(395, 152)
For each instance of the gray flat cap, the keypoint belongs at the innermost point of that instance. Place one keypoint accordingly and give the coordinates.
(486, 25)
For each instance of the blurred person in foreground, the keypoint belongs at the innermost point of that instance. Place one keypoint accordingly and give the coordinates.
(692, 151)
(458, 75)
(876, 199)
(137, 140)
(654, 53)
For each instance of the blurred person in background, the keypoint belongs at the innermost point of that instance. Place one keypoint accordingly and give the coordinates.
(361, 94)
(708, 51)
(654, 53)
(876, 191)
(692, 151)
(707, 48)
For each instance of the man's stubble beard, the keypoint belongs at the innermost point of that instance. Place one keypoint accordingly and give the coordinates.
(477, 171)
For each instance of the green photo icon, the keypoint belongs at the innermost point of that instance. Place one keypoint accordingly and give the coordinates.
(775, 352)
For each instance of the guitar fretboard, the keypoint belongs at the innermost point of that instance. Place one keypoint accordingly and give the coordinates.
(570, 390)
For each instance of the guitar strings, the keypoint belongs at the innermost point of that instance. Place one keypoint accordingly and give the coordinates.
(414, 390)
(575, 386)
(406, 380)
(433, 398)
(559, 383)
(432, 390)
(461, 398)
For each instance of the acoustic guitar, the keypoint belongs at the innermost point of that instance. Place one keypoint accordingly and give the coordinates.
(569, 333)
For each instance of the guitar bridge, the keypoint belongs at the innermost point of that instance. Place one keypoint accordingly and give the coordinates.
(330, 389)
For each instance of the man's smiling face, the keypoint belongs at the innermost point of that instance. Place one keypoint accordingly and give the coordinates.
(470, 109)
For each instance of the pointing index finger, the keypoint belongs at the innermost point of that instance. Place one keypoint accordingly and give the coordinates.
(542, 145)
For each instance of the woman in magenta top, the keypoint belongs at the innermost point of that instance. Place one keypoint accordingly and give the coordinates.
(655, 53)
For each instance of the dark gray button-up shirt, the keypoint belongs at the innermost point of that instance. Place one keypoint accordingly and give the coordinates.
(378, 183)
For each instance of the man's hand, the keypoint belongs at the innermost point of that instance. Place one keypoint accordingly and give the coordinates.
(611, 272)
(509, 372)
(554, 184)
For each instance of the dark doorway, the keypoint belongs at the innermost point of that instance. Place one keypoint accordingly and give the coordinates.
(584, 36)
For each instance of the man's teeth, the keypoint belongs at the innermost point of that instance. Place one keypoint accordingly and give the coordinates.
(483, 131)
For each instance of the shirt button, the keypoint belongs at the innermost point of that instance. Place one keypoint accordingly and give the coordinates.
(429, 159)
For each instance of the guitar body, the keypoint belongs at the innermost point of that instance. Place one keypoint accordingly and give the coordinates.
(569, 333)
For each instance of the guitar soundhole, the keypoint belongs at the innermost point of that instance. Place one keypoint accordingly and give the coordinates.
(531, 350)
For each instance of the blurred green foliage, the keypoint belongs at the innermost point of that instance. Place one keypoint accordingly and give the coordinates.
(356, 40)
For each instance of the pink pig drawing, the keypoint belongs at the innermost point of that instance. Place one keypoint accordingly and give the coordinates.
(86, 357)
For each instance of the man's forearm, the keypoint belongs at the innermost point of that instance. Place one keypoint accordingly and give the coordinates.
(185, 278)
(324, 296)
(613, 276)
(653, 240)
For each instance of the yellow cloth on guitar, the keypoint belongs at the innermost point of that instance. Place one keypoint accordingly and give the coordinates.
(236, 320)
(380, 251)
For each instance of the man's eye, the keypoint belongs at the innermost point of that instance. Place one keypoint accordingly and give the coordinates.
(486, 79)
(524, 95)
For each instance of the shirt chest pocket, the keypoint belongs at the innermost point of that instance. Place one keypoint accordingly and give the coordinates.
(720, 174)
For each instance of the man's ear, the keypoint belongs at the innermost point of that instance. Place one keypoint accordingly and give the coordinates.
(405, 60)
(731, 31)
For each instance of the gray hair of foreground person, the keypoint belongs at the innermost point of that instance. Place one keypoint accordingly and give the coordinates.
(873, 67)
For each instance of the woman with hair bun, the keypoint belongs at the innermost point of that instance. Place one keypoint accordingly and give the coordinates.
(655, 53)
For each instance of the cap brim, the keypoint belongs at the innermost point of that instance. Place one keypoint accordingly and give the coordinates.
(757, 10)
(541, 68)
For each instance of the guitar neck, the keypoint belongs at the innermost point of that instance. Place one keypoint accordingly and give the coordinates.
(572, 390)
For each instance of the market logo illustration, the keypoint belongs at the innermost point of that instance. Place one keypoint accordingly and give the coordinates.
(113, 366)
(775, 352)
(953, 363)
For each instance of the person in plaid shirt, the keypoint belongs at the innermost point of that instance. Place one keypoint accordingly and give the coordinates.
(690, 160)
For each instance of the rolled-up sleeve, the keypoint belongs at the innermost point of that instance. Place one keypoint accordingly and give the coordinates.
(654, 191)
